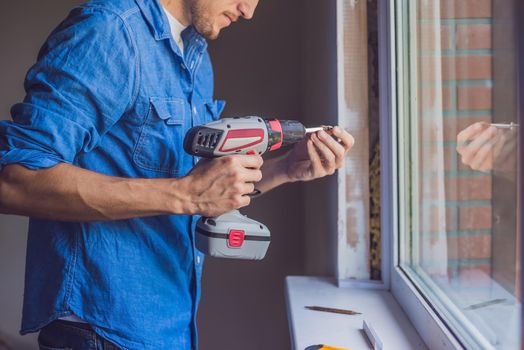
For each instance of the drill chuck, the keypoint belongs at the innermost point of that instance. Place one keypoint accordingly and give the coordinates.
(284, 133)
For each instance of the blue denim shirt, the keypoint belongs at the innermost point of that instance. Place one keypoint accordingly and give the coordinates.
(111, 93)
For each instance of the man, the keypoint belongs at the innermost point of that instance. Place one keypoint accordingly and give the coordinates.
(94, 156)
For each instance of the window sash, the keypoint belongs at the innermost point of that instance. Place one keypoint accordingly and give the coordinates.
(395, 103)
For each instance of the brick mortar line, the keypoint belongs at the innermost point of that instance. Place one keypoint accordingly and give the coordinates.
(456, 21)
(445, 144)
(457, 53)
(452, 203)
(465, 173)
(469, 262)
(459, 83)
(459, 113)
(459, 233)
(468, 83)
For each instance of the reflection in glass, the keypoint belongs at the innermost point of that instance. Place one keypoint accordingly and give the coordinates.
(461, 160)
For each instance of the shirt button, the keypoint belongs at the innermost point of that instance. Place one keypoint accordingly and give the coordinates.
(194, 110)
(198, 260)
(183, 66)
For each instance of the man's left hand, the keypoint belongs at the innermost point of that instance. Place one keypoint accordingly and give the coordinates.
(318, 155)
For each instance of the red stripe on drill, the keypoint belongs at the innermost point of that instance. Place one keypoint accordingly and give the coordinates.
(276, 126)
(242, 134)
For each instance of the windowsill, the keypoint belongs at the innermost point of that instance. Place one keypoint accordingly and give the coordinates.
(378, 308)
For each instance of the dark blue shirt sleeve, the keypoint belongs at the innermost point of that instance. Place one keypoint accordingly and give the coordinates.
(84, 80)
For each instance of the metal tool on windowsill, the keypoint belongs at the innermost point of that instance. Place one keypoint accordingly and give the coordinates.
(486, 304)
(372, 336)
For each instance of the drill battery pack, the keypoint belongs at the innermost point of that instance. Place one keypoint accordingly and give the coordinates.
(232, 235)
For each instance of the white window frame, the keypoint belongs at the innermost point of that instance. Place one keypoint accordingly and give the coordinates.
(344, 282)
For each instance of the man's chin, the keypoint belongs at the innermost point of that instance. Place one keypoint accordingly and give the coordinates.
(209, 34)
(212, 36)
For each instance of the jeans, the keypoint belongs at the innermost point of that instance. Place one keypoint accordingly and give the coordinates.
(65, 335)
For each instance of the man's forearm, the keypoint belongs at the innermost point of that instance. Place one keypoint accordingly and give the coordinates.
(273, 174)
(69, 193)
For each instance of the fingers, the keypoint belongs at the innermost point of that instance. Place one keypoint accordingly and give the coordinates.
(471, 131)
(244, 172)
(243, 168)
(346, 139)
(316, 163)
(487, 137)
(241, 201)
(499, 145)
(326, 153)
(248, 161)
(482, 155)
(245, 188)
(239, 194)
(336, 148)
(328, 159)
(251, 175)
(468, 134)
(483, 158)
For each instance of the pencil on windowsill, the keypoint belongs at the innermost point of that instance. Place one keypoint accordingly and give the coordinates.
(333, 310)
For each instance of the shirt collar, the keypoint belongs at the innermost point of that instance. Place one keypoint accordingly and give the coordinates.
(159, 24)
(157, 20)
(155, 17)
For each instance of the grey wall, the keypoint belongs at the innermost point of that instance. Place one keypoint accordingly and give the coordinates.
(319, 106)
(258, 69)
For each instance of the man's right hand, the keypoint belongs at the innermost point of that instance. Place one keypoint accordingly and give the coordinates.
(216, 186)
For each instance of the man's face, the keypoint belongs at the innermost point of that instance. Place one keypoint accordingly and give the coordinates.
(211, 16)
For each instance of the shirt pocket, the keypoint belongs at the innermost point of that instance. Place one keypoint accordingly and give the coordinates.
(160, 145)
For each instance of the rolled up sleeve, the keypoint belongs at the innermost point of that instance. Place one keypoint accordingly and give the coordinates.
(83, 82)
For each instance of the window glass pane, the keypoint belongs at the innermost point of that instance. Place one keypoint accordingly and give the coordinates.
(458, 136)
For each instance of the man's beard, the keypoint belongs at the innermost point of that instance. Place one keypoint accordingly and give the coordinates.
(201, 21)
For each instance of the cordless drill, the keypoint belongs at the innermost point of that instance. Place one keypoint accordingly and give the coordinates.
(233, 235)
